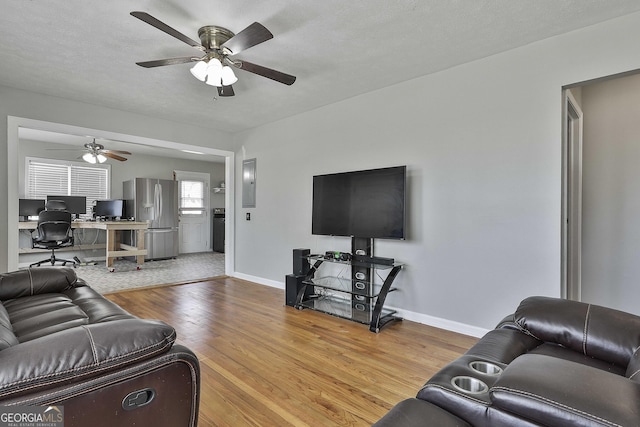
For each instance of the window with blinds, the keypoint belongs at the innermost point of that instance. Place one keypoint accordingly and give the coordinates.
(58, 177)
(191, 197)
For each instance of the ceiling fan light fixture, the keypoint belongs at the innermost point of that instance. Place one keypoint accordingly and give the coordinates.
(199, 70)
(101, 158)
(89, 158)
(214, 72)
(228, 76)
(217, 44)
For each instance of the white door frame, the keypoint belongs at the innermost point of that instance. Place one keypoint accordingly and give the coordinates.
(14, 123)
(571, 252)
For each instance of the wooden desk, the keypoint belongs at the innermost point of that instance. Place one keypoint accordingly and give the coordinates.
(115, 248)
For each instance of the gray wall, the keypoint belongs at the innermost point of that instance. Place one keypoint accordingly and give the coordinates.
(611, 193)
(482, 143)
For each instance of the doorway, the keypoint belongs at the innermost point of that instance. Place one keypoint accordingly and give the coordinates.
(14, 124)
(572, 197)
(604, 259)
(193, 211)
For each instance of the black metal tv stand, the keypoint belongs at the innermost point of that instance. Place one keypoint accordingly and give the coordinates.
(358, 298)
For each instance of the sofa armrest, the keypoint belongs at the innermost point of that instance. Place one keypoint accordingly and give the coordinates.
(34, 281)
(554, 391)
(503, 345)
(81, 352)
(592, 330)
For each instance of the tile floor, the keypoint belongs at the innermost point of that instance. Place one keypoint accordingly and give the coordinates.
(185, 268)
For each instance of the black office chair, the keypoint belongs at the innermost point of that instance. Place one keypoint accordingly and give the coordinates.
(54, 232)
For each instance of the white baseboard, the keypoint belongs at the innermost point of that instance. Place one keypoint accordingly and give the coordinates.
(259, 280)
(438, 322)
(425, 319)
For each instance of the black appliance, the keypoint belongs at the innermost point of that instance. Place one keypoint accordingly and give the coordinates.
(218, 230)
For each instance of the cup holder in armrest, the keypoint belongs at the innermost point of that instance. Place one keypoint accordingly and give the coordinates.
(486, 368)
(469, 385)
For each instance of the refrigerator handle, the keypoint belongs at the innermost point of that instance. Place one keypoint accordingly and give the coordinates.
(160, 207)
(156, 201)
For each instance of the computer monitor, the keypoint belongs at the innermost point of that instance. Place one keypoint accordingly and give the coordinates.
(109, 209)
(30, 207)
(76, 205)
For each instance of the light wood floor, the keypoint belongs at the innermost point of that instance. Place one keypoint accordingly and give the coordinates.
(266, 364)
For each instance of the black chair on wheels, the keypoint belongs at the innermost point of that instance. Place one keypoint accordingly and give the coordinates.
(54, 232)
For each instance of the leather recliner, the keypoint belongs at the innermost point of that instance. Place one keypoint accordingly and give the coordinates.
(64, 344)
(552, 363)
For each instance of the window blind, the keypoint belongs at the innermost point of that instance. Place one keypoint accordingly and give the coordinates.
(44, 179)
(53, 177)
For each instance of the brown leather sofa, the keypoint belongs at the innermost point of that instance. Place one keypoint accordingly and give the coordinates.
(553, 363)
(62, 343)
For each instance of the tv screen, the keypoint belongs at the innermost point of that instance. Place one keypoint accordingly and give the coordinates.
(368, 203)
(109, 208)
(75, 204)
(30, 207)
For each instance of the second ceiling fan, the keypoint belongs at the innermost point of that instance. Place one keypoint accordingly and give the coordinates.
(218, 45)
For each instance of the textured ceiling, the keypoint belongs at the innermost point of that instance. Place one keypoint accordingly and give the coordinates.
(86, 51)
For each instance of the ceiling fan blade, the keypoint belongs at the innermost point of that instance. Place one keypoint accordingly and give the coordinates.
(114, 156)
(163, 62)
(254, 34)
(278, 76)
(226, 91)
(143, 16)
(116, 152)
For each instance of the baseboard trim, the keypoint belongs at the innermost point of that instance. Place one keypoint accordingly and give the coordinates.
(438, 322)
(259, 280)
(425, 319)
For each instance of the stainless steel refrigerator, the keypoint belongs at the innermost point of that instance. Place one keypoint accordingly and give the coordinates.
(156, 202)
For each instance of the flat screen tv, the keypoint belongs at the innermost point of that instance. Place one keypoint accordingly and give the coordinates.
(367, 203)
(76, 205)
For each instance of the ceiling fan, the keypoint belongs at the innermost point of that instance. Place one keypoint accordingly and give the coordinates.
(218, 45)
(96, 153)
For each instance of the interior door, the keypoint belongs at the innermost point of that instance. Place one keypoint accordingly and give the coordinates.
(194, 230)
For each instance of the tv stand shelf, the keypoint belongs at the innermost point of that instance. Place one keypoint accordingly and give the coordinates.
(377, 266)
(358, 298)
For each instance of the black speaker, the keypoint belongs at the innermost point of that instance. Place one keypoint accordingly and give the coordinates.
(293, 284)
(300, 262)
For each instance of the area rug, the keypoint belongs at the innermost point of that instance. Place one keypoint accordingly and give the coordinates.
(185, 268)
